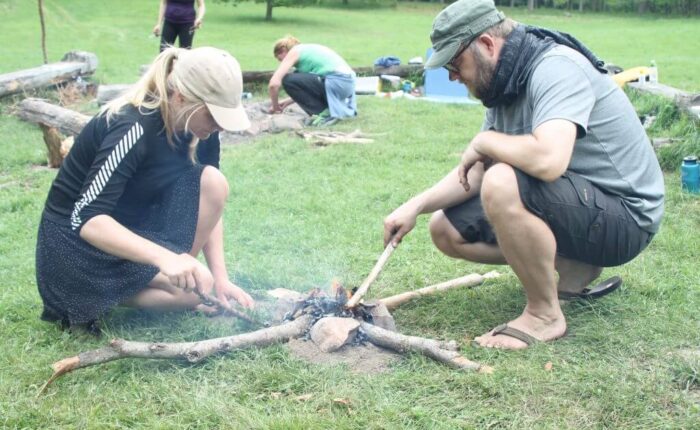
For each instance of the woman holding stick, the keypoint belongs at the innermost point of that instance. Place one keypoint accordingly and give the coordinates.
(140, 195)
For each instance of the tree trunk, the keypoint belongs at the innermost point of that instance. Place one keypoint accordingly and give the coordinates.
(268, 12)
(531, 5)
(580, 5)
(73, 64)
(43, 31)
(53, 140)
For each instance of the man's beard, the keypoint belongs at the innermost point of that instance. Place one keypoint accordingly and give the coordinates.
(484, 76)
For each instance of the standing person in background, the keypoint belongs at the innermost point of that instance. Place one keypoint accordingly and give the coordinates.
(179, 20)
(323, 84)
(140, 195)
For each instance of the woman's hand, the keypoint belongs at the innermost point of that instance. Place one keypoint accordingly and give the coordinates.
(226, 289)
(186, 272)
(156, 30)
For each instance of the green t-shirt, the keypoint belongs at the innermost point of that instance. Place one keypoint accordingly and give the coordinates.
(320, 60)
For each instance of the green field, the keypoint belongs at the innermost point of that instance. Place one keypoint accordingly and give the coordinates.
(299, 216)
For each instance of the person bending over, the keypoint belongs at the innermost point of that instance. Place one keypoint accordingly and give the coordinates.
(178, 19)
(561, 179)
(322, 84)
(140, 195)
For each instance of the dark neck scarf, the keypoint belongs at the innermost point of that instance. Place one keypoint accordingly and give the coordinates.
(521, 51)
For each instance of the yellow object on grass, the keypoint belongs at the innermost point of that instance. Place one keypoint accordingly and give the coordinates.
(633, 74)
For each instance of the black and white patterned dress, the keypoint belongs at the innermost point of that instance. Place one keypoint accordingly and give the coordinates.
(124, 168)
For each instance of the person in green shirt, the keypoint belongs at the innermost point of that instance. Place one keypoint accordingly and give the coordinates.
(322, 83)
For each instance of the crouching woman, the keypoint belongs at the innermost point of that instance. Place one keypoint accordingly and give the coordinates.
(140, 195)
(322, 83)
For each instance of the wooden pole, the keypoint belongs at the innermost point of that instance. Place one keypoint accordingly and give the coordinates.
(471, 280)
(355, 299)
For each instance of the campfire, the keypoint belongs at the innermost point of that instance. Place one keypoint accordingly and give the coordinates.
(329, 320)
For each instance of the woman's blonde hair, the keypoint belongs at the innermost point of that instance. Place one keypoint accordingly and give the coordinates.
(153, 90)
(285, 44)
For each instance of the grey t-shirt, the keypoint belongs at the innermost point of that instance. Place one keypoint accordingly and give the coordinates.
(612, 149)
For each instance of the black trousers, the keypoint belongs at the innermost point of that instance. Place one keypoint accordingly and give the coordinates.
(307, 90)
(172, 31)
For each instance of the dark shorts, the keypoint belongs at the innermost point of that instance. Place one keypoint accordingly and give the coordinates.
(588, 224)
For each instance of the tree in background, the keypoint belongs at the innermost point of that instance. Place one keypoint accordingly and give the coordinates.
(679, 7)
(43, 30)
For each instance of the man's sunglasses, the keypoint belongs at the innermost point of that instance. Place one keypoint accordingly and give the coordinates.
(451, 66)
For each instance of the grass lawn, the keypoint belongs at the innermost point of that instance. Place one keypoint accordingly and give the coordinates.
(300, 216)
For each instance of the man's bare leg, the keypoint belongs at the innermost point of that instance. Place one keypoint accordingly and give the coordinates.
(448, 240)
(529, 247)
(574, 275)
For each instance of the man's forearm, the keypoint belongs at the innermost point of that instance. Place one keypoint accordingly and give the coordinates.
(448, 191)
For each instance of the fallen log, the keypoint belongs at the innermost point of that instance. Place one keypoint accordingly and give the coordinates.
(192, 352)
(71, 66)
(401, 70)
(429, 347)
(471, 280)
(688, 102)
(38, 111)
(107, 93)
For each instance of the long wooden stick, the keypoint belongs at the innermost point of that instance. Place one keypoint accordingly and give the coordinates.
(472, 280)
(355, 299)
(429, 347)
(190, 351)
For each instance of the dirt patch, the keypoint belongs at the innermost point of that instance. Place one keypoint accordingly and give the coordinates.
(368, 358)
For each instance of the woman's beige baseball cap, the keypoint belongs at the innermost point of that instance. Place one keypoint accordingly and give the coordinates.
(214, 76)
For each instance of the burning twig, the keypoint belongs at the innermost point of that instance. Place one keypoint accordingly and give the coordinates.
(190, 351)
(355, 299)
(471, 280)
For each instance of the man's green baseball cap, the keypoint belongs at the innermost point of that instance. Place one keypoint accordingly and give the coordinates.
(457, 24)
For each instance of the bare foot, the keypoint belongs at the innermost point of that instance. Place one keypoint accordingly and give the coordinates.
(533, 327)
